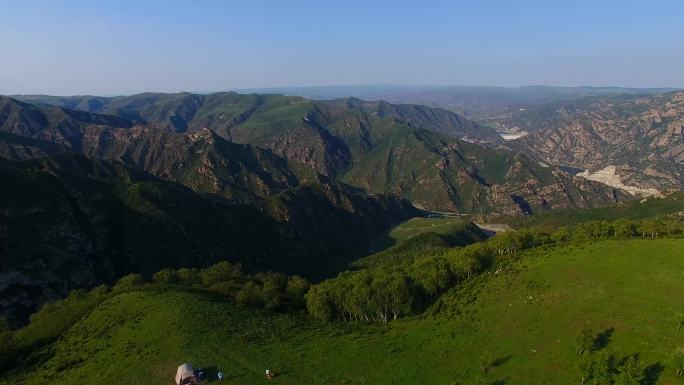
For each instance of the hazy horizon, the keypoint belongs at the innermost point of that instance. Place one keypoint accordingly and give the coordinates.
(374, 87)
(78, 47)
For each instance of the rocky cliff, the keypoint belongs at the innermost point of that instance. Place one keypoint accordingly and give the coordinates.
(640, 138)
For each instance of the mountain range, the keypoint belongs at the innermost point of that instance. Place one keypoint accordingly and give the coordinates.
(139, 183)
(473, 102)
(415, 152)
(69, 221)
(634, 142)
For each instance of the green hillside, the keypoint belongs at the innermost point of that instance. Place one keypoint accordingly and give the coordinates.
(415, 152)
(417, 226)
(634, 210)
(73, 222)
(518, 325)
(16, 147)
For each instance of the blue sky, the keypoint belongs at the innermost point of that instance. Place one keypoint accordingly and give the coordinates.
(126, 46)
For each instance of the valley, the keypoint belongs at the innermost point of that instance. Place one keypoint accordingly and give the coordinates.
(341, 193)
(411, 234)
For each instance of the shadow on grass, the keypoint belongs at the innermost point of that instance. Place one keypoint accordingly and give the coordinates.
(603, 339)
(500, 361)
(211, 375)
(653, 372)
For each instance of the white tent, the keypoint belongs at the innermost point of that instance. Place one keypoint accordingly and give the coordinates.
(185, 375)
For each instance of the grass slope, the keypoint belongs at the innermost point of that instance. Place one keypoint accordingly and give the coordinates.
(417, 226)
(634, 210)
(522, 320)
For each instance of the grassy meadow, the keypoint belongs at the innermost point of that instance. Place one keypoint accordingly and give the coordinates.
(515, 325)
(416, 226)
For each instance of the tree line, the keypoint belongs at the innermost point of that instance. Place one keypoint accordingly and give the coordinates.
(387, 291)
(268, 290)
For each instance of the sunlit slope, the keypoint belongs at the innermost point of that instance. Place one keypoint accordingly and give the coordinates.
(521, 323)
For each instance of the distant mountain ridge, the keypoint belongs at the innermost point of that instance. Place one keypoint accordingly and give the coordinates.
(272, 182)
(633, 140)
(410, 151)
(220, 112)
(474, 102)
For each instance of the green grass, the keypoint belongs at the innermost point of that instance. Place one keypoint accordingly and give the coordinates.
(525, 317)
(635, 210)
(417, 226)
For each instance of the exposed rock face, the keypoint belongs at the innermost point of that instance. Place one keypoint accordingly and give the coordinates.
(443, 174)
(303, 130)
(410, 151)
(642, 137)
(15, 147)
(200, 160)
(612, 176)
(52, 124)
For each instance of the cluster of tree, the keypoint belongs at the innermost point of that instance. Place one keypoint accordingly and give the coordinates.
(610, 369)
(392, 287)
(677, 362)
(19, 347)
(363, 296)
(601, 368)
(625, 228)
(273, 291)
(392, 290)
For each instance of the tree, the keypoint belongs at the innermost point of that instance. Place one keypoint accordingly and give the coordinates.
(99, 291)
(358, 299)
(4, 324)
(8, 353)
(319, 302)
(651, 228)
(631, 372)
(677, 362)
(297, 286)
(561, 235)
(392, 295)
(486, 361)
(249, 295)
(432, 274)
(129, 282)
(270, 294)
(624, 228)
(584, 341)
(220, 272)
(581, 232)
(672, 226)
(584, 367)
(401, 298)
(465, 265)
(540, 236)
(165, 277)
(602, 370)
(188, 277)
